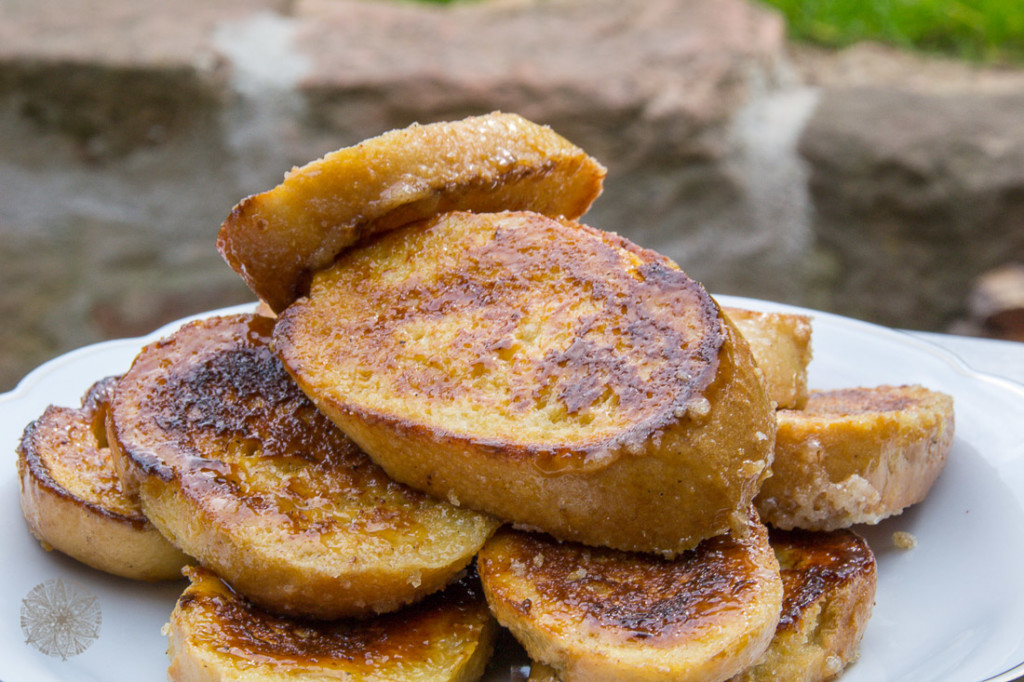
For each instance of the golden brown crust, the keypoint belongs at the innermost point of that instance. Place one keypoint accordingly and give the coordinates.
(231, 460)
(277, 240)
(215, 634)
(856, 455)
(73, 500)
(829, 581)
(543, 371)
(599, 614)
(781, 344)
(542, 673)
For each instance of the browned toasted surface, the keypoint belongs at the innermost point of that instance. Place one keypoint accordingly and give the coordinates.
(277, 240)
(73, 500)
(540, 370)
(813, 564)
(542, 673)
(215, 634)
(856, 455)
(67, 449)
(781, 344)
(829, 581)
(600, 614)
(234, 462)
(543, 326)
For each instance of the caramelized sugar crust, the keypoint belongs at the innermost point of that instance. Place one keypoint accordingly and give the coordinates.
(73, 499)
(232, 460)
(220, 400)
(278, 239)
(624, 596)
(829, 579)
(447, 636)
(540, 370)
(856, 455)
(595, 613)
(564, 337)
(815, 563)
(66, 450)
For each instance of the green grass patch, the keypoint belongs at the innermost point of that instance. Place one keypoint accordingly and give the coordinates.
(983, 30)
(989, 31)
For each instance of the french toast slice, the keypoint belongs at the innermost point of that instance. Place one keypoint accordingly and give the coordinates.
(232, 461)
(856, 455)
(829, 581)
(277, 239)
(73, 500)
(781, 344)
(593, 614)
(542, 673)
(540, 370)
(215, 635)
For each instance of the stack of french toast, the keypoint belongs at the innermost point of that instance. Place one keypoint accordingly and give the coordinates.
(458, 409)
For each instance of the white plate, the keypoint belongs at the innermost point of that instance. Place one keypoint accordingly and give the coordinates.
(951, 609)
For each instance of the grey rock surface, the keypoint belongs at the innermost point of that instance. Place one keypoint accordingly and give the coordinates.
(863, 182)
(918, 204)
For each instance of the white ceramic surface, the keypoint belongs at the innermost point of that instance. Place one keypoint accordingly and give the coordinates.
(949, 610)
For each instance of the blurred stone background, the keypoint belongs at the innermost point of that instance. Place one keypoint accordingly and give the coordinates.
(870, 182)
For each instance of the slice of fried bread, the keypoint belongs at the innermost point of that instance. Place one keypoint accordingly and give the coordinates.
(781, 344)
(277, 239)
(74, 502)
(546, 372)
(542, 673)
(233, 462)
(215, 635)
(595, 614)
(829, 581)
(856, 455)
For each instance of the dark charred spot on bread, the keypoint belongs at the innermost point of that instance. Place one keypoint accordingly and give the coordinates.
(513, 359)
(227, 622)
(230, 394)
(227, 419)
(637, 596)
(240, 468)
(813, 563)
(65, 451)
(627, 338)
